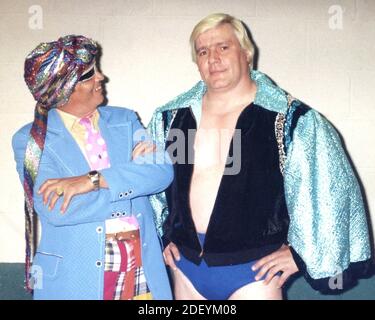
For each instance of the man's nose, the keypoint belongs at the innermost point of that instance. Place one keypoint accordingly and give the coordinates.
(213, 56)
(99, 76)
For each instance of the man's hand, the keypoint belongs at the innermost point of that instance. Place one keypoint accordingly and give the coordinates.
(143, 148)
(280, 260)
(171, 254)
(68, 187)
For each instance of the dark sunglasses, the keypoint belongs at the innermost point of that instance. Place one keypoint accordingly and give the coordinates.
(87, 75)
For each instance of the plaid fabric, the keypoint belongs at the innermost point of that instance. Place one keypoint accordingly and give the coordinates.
(124, 277)
(112, 256)
(140, 286)
(119, 286)
(131, 263)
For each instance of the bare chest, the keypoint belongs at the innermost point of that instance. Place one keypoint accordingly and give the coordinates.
(211, 147)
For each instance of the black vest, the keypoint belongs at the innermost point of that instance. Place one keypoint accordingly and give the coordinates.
(249, 219)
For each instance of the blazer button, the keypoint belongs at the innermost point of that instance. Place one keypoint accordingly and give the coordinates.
(98, 263)
(121, 195)
(99, 229)
(118, 214)
(113, 214)
(126, 194)
(130, 191)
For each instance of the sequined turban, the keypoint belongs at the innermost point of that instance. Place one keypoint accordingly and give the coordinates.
(52, 70)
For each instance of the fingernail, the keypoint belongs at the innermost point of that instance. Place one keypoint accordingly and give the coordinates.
(253, 268)
(174, 269)
(178, 258)
(256, 278)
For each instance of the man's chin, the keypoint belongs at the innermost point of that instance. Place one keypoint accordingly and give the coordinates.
(218, 85)
(101, 100)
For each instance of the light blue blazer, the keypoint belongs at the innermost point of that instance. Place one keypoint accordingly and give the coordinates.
(69, 263)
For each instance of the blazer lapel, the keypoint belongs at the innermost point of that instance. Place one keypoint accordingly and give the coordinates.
(62, 144)
(117, 134)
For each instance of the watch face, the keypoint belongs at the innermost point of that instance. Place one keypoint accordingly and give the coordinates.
(93, 173)
(94, 176)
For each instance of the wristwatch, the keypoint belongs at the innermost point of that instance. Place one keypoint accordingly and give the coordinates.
(94, 176)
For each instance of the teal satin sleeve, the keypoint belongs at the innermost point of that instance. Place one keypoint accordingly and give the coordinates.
(328, 225)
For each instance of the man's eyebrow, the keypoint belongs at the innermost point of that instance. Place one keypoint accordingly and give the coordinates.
(225, 42)
(200, 48)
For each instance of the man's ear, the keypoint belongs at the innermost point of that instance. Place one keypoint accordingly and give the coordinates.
(248, 56)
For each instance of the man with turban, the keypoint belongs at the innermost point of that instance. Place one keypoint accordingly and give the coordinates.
(86, 173)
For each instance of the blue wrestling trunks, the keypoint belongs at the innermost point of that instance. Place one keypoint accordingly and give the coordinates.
(217, 282)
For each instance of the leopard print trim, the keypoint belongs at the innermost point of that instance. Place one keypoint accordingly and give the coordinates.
(279, 133)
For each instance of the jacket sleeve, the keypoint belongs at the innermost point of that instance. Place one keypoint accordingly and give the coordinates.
(328, 229)
(89, 207)
(125, 182)
(338, 283)
(158, 200)
(147, 174)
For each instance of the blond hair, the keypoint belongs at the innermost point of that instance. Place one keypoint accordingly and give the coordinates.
(217, 19)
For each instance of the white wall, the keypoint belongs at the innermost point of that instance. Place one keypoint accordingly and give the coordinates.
(304, 46)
